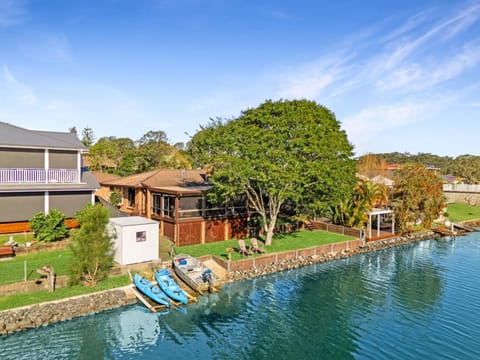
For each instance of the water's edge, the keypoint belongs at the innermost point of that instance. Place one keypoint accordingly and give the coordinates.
(32, 316)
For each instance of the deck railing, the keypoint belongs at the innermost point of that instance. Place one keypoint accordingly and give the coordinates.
(37, 176)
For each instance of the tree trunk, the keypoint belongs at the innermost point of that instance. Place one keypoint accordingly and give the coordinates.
(270, 228)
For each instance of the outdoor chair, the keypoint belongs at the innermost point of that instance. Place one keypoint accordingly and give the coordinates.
(254, 246)
(242, 248)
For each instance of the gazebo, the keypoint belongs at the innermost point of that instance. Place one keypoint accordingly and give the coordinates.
(380, 214)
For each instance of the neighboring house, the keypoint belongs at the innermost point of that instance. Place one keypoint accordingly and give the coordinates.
(176, 199)
(379, 179)
(102, 178)
(40, 171)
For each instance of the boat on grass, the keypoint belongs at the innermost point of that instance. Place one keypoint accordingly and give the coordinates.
(153, 292)
(166, 282)
(195, 274)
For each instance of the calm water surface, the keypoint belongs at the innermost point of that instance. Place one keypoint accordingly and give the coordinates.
(419, 301)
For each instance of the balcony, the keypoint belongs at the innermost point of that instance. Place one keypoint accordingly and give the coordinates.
(39, 176)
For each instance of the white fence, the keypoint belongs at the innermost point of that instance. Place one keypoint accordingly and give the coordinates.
(35, 176)
(464, 188)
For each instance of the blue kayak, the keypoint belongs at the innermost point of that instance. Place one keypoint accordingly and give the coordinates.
(150, 290)
(169, 286)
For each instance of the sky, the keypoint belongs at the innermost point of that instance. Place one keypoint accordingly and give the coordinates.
(399, 75)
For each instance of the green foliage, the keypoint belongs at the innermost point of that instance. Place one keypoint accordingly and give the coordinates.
(115, 198)
(49, 227)
(92, 246)
(124, 156)
(279, 151)
(417, 195)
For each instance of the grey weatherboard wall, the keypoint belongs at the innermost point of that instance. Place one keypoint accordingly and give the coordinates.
(20, 207)
(69, 202)
(62, 159)
(22, 158)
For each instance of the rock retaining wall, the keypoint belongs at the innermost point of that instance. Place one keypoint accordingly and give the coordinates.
(269, 264)
(46, 313)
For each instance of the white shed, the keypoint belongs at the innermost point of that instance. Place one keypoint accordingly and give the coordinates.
(136, 239)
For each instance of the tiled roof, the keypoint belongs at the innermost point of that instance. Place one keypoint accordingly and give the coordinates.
(15, 136)
(163, 178)
(104, 177)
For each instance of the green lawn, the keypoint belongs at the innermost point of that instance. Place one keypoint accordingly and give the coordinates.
(19, 238)
(293, 241)
(12, 301)
(13, 269)
(462, 212)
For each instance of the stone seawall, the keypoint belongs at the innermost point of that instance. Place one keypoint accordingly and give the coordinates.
(258, 267)
(28, 317)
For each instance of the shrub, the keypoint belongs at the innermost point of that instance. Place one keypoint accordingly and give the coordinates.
(115, 198)
(92, 246)
(49, 227)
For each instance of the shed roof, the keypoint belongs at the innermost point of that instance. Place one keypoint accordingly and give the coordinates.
(15, 136)
(132, 220)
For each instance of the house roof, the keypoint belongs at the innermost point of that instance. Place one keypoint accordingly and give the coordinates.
(103, 177)
(15, 136)
(379, 179)
(163, 179)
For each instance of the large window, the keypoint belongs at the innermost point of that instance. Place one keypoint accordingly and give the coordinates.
(131, 197)
(190, 206)
(157, 204)
(168, 206)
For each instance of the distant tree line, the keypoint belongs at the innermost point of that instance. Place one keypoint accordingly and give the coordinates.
(466, 167)
(124, 156)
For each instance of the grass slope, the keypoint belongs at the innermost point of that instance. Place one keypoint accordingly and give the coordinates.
(462, 212)
(12, 270)
(293, 241)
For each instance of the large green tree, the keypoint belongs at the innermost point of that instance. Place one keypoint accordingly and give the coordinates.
(92, 246)
(279, 151)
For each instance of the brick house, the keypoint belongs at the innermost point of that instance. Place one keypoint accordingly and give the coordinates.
(176, 198)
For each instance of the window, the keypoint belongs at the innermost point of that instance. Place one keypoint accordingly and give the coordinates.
(141, 236)
(190, 206)
(131, 197)
(156, 204)
(168, 206)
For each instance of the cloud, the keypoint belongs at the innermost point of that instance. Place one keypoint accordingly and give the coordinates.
(313, 79)
(367, 126)
(23, 93)
(48, 48)
(12, 12)
(416, 76)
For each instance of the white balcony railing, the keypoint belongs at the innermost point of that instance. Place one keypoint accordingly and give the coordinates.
(37, 176)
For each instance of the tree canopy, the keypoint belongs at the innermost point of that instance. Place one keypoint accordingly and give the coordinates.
(417, 195)
(124, 156)
(279, 151)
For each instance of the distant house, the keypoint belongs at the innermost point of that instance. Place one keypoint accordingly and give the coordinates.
(40, 171)
(176, 199)
(379, 179)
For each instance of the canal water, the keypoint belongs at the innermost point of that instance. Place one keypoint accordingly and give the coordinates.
(418, 301)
